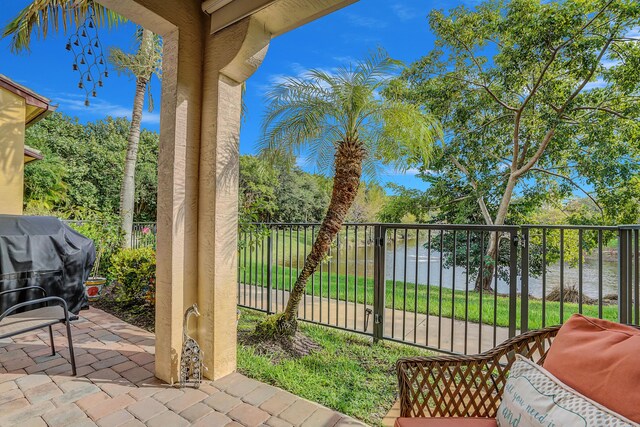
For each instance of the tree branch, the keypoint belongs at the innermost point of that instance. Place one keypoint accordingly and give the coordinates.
(560, 112)
(572, 182)
(586, 79)
(483, 207)
(532, 161)
(605, 109)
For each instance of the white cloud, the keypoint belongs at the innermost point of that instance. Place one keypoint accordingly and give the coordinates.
(365, 21)
(391, 171)
(608, 63)
(99, 108)
(634, 33)
(403, 12)
(297, 71)
(344, 59)
(595, 84)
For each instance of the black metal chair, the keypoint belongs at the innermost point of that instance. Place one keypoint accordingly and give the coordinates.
(48, 315)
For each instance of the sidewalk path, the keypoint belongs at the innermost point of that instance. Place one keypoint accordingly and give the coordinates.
(444, 333)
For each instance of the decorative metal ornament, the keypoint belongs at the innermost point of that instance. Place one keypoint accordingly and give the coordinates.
(191, 366)
(88, 58)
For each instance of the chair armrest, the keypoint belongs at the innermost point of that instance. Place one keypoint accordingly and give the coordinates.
(24, 289)
(58, 300)
(465, 386)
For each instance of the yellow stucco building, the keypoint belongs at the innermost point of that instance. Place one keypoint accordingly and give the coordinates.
(20, 107)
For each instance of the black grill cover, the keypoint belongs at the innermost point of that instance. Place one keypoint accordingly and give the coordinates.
(44, 251)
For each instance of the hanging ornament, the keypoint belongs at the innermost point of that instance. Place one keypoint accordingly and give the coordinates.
(88, 56)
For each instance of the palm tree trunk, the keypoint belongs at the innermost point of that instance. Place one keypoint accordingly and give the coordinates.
(128, 189)
(348, 170)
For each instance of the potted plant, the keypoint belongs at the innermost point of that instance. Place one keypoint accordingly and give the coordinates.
(94, 283)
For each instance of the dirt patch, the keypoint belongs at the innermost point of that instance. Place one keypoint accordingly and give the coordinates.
(278, 349)
(140, 316)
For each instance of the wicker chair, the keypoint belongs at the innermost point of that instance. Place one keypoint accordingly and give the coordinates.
(465, 386)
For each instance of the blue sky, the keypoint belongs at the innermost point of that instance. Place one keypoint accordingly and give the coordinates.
(399, 26)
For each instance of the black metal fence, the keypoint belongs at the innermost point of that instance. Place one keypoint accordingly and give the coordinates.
(143, 234)
(453, 288)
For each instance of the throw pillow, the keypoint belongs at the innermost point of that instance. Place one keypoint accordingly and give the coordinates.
(533, 397)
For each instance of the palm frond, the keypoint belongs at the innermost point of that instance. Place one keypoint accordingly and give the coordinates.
(321, 109)
(147, 59)
(42, 16)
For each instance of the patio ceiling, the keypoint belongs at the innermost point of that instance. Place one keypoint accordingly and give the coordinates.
(277, 16)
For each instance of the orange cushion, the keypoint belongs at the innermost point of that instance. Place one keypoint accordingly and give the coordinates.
(446, 422)
(599, 359)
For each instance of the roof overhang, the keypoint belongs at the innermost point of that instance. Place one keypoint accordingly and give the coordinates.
(278, 16)
(37, 106)
(31, 154)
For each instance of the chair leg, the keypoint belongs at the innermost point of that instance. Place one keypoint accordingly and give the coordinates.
(53, 346)
(71, 354)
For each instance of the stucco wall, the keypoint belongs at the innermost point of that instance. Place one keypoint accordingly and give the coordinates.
(12, 115)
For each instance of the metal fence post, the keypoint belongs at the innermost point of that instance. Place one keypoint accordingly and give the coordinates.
(624, 285)
(378, 284)
(269, 273)
(524, 282)
(636, 286)
(513, 281)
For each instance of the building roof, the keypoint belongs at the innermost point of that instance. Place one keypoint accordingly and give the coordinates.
(38, 107)
(31, 154)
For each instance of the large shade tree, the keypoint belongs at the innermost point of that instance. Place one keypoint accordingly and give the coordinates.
(41, 16)
(340, 120)
(538, 100)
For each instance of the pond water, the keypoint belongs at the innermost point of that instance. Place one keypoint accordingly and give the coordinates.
(357, 260)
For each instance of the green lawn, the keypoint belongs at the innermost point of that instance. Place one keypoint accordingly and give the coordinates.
(453, 303)
(349, 374)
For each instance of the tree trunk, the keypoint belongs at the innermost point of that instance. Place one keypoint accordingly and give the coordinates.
(128, 189)
(348, 169)
(489, 268)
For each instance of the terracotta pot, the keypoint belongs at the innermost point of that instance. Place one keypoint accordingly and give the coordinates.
(93, 286)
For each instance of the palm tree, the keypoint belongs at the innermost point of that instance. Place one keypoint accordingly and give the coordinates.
(41, 15)
(340, 119)
(142, 65)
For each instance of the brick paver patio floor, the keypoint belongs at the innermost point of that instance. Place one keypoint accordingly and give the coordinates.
(115, 386)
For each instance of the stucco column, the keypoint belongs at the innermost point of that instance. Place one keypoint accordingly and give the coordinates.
(183, 27)
(198, 160)
(230, 57)
(12, 130)
(198, 175)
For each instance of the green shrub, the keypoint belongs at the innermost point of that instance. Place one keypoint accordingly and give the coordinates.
(105, 232)
(134, 272)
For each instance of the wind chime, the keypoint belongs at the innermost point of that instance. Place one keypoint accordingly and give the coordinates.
(89, 60)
